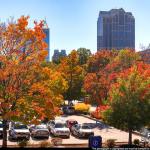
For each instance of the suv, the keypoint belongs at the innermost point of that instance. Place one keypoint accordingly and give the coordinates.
(68, 110)
(18, 130)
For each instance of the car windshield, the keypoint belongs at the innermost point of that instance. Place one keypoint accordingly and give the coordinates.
(71, 108)
(18, 126)
(85, 127)
(60, 125)
(41, 127)
(1, 125)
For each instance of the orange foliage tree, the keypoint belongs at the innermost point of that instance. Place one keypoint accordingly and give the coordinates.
(95, 82)
(27, 89)
(103, 70)
(73, 74)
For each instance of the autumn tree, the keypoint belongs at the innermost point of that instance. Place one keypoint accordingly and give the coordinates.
(103, 70)
(28, 91)
(129, 100)
(73, 74)
(95, 81)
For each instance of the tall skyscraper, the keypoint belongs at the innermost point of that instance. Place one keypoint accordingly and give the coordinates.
(47, 32)
(55, 55)
(115, 30)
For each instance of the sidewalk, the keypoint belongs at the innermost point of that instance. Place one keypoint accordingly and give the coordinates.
(97, 120)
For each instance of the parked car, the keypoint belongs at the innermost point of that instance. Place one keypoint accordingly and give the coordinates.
(70, 123)
(1, 129)
(60, 129)
(50, 124)
(31, 127)
(18, 130)
(68, 110)
(82, 130)
(40, 131)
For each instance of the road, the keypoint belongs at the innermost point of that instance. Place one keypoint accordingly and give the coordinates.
(106, 133)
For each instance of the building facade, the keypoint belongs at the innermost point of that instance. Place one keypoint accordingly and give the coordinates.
(145, 55)
(57, 55)
(115, 30)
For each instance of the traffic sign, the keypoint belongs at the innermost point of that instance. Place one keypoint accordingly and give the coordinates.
(95, 142)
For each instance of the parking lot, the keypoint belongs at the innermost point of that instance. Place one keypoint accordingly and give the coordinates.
(106, 133)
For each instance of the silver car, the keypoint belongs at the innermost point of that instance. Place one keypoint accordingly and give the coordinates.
(40, 131)
(18, 130)
(60, 129)
(82, 131)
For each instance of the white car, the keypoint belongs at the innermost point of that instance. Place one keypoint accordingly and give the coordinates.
(18, 130)
(60, 129)
(40, 131)
(50, 124)
(82, 130)
(1, 129)
(148, 135)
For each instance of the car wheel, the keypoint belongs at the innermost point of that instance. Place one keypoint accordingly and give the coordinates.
(32, 136)
(47, 137)
(28, 138)
(10, 138)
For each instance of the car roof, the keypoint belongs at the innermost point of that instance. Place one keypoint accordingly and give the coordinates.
(72, 120)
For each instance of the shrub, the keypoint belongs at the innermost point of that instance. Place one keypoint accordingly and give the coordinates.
(110, 143)
(45, 144)
(136, 141)
(23, 143)
(82, 107)
(98, 113)
(56, 141)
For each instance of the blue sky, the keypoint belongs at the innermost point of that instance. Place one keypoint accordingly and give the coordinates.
(73, 23)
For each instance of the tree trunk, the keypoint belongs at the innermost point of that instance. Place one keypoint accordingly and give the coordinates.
(130, 137)
(4, 144)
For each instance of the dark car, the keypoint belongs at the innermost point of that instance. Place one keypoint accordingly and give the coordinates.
(71, 123)
(68, 110)
(82, 131)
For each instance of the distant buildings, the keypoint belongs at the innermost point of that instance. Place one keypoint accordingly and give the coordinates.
(57, 55)
(145, 55)
(115, 30)
(47, 39)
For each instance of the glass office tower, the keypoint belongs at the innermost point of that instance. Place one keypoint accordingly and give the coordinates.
(115, 30)
(47, 39)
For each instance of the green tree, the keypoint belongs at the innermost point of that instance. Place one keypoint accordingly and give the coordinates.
(130, 100)
(84, 55)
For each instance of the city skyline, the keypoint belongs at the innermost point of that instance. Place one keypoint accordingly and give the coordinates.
(73, 23)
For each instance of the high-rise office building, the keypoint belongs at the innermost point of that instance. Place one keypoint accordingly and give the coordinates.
(115, 30)
(63, 53)
(55, 55)
(47, 32)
